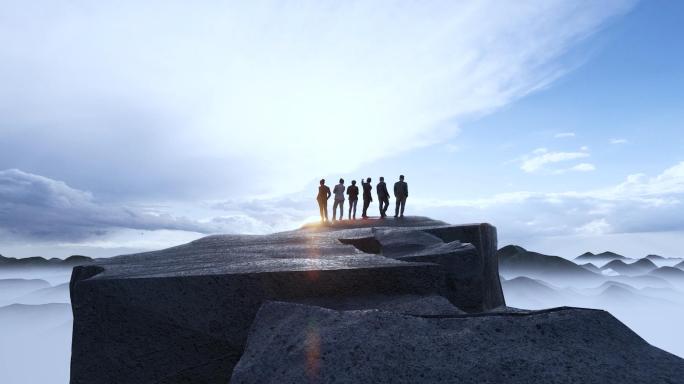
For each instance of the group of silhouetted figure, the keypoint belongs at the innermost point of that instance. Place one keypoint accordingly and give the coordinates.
(400, 194)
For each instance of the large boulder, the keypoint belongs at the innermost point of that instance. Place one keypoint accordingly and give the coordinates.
(183, 314)
(294, 343)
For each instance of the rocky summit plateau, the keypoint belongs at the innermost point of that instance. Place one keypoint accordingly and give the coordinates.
(389, 301)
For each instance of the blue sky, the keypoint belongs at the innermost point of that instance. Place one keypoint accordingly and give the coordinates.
(629, 87)
(137, 126)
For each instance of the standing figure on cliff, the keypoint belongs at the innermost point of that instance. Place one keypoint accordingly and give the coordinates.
(322, 198)
(400, 193)
(353, 192)
(367, 198)
(338, 191)
(383, 196)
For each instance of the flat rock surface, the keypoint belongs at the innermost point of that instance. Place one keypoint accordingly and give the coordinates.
(313, 247)
(294, 343)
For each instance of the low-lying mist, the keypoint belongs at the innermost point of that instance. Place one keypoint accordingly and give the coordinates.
(645, 294)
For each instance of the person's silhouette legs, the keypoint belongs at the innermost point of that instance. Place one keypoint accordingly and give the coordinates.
(384, 203)
(366, 204)
(339, 203)
(323, 207)
(352, 206)
(400, 193)
(399, 209)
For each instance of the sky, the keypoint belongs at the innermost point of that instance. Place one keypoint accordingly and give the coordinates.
(128, 127)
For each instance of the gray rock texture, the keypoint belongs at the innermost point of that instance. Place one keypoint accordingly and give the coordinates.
(183, 314)
(294, 343)
(432, 305)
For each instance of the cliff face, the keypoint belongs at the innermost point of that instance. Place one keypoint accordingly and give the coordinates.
(183, 314)
(294, 343)
(395, 301)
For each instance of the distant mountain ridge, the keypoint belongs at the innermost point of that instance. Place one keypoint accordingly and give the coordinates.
(516, 260)
(603, 256)
(591, 267)
(37, 261)
(638, 267)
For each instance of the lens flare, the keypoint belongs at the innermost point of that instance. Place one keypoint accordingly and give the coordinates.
(312, 348)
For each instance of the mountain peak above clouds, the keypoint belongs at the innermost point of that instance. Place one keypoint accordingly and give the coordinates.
(636, 268)
(509, 251)
(601, 257)
(591, 267)
(612, 254)
(517, 261)
(38, 261)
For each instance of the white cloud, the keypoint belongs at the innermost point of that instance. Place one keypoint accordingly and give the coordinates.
(583, 167)
(618, 141)
(640, 204)
(669, 182)
(265, 215)
(595, 227)
(540, 157)
(564, 135)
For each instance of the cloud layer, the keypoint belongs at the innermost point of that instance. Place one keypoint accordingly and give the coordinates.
(173, 99)
(39, 208)
(637, 205)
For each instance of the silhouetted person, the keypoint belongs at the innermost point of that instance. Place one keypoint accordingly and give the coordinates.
(367, 198)
(383, 196)
(322, 198)
(339, 199)
(400, 193)
(353, 193)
